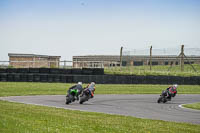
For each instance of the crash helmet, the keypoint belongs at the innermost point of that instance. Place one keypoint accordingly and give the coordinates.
(92, 83)
(175, 85)
(80, 83)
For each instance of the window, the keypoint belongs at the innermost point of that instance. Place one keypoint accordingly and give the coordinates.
(138, 63)
(188, 62)
(166, 63)
(154, 63)
(176, 62)
(124, 63)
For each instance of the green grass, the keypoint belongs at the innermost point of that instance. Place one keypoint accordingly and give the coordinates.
(21, 118)
(192, 106)
(156, 70)
(29, 88)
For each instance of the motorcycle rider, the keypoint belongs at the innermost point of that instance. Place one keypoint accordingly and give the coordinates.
(79, 87)
(91, 88)
(172, 91)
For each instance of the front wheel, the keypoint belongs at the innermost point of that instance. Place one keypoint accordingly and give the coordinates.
(159, 99)
(69, 99)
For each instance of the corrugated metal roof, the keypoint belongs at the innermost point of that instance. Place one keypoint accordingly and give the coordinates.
(30, 55)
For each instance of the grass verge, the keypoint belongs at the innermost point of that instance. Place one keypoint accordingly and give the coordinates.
(28, 88)
(156, 70)
(16, 117)
(193, 106)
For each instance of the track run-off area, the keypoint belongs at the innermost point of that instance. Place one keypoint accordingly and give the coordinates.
(137, 105)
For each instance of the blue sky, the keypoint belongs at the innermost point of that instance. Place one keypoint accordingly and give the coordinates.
(93, 27)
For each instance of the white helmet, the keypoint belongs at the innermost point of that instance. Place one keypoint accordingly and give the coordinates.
(93, 83)
(80, 83)
(175, 85)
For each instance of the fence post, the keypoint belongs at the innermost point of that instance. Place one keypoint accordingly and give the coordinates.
(150, 58)
(182, 58)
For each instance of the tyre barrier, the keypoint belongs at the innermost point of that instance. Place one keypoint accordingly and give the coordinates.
(100, 79)
(12, 70)
(75, 71)
(34, 70)
(44, 70)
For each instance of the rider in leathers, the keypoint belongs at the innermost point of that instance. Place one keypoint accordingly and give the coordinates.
(172, 91)
(91, 88)
(78, 87)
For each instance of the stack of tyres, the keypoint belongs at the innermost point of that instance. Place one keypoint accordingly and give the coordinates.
(55, 71)
(17, 77)
(50, 78)
(195, 80)
(24, 77)
(134, 79)
(100, 79)
(109, 79)
(34, 70)
(98, 71)
(36, 78)
(63, 78)
(44, 70)
(128, 80)
(67, 71)
(30, 78)
(77, 78)
(87, 71)
(43, 78)
(3, 77)
(56, 78)
(12, 70)
(92, 78)
(76, 71)
(84, 78)
(70, 79)
(23, 70)
(3, 70)
(10, 77)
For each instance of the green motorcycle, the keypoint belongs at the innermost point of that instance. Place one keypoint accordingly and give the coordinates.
(72, 93)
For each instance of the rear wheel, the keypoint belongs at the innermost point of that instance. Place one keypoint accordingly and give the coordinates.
(83, 99)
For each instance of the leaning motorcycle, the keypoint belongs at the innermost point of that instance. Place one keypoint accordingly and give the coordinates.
(163, 97)
(85, 96)
(71, 96)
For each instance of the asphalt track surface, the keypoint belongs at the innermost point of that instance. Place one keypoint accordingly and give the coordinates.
(141, 106)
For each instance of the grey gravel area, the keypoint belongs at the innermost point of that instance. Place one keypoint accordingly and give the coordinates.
(141, 106)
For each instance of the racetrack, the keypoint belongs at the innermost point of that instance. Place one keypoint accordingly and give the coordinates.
(142, 106)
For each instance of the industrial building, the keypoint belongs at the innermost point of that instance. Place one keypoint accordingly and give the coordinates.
(136, 60)
(33, 61)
